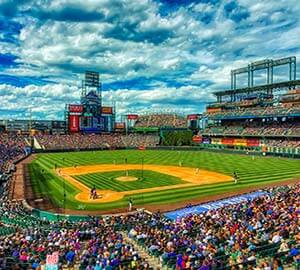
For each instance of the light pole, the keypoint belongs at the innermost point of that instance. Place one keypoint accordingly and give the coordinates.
(64, 189)
(65, 196)
(142, 167)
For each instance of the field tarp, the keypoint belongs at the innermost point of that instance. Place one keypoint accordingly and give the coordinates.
(202, 208)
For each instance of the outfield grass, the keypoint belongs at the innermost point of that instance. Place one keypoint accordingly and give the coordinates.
(251, 172)
(146, 179)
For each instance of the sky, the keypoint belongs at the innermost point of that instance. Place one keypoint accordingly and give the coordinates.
(152, 55)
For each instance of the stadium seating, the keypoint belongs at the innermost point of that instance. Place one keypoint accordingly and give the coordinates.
(255, 111)
(161, 120)
(79, 141)
(94, 141)
(244, 234)
(255, 129)
(238, 234)
(11, 149)
(283, 143)
(260, 234)
(135, 140)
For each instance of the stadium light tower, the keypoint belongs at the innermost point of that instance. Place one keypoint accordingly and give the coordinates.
(268, 65)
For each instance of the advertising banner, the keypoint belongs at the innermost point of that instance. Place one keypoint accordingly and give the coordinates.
(106, 110)
(132, 116)
(253, 142)
(241, 142)
(73, 108)
(192, 117)
(206, 140)
(74, 123)
(119, 125)
(216, 141)
(228, 141)
(213, 110)
(197, 139)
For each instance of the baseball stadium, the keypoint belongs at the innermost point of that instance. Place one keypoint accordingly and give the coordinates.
(149, 135)
(160, 190)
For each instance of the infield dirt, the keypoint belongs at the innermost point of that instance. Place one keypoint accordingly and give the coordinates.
(193, 176)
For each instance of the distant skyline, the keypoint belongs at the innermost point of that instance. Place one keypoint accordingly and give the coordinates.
(152, 55)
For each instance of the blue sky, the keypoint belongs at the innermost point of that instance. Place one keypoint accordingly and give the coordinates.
(154, 55)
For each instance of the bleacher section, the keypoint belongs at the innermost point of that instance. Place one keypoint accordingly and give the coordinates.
(161, 120)
(252, 234)
(95, 141)
(259, 129)
(256, 112)
(269, 116)
(12, 148)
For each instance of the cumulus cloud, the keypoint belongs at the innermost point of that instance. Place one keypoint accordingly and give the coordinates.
(151, 54)
(44, 101)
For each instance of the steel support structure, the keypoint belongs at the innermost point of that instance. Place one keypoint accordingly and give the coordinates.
(266, 88)
(268, 65)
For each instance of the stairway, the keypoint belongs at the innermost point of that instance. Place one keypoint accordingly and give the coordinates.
(153, 261)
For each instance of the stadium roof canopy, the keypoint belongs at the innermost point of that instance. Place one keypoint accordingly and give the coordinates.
(267, 87)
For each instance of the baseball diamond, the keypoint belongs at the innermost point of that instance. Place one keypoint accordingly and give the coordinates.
(159, 178)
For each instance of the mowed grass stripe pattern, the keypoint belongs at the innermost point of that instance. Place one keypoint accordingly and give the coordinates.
(146, 179)
(251, 172)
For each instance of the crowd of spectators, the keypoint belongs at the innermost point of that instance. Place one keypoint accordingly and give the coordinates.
(292, 143)
(235, 234)
(96, 141)
(92, 245)
(255, 128)
(11, 149)
(161, 120)
(248, 235)
(79, 141)
(136, 140)
(255, 111)
(259, 234)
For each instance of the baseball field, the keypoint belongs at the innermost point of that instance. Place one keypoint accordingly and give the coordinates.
(150, 177)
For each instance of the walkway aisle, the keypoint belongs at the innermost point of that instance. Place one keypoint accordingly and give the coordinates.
(152, 261)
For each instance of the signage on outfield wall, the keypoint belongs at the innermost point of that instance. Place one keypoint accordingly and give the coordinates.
(197, 138)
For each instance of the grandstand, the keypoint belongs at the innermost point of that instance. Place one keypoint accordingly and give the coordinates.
(253, 234)
(95, 141)
(256, 117)
(161, 120)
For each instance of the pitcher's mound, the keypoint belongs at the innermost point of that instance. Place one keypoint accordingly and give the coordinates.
(126, 178)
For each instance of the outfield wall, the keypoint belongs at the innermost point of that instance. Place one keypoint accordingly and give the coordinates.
(273, 151)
